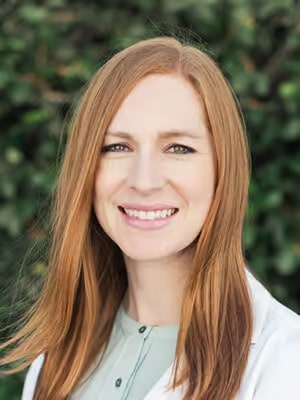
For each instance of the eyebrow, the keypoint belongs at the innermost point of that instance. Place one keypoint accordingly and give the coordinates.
(162, 135)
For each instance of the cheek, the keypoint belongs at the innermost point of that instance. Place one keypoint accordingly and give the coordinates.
(196, 182)
(101, 191)
(107, 178)
(98, 188)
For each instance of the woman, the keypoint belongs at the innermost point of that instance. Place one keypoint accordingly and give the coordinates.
(148, 296)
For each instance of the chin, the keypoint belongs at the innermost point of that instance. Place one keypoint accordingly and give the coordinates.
(144, 256)
(143, 253)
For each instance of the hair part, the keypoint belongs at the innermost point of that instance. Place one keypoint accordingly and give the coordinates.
(72, 321)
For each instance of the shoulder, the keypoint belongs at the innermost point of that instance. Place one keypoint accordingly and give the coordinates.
(274, 358)
(31, 378)
(271, 318)
(280, 337)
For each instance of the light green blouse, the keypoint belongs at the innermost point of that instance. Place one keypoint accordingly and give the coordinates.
(136, 357)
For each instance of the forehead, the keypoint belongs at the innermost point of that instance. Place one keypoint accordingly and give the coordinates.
(159, 102)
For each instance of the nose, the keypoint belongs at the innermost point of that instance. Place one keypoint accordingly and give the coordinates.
(146, 173)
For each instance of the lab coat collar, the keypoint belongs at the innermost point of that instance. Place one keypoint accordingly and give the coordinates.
(261, 300)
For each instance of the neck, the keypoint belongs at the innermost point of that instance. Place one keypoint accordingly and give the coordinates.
(155, 289)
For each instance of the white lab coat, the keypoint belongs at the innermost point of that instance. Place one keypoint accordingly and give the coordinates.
(272, 371)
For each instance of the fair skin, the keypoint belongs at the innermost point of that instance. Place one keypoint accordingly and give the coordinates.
(153, 190)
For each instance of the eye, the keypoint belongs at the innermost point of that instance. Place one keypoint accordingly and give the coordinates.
(180, 149)
(115, 148)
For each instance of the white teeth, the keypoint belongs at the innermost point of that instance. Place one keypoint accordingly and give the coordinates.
(142, 215)
(150, 215)
(164, 213)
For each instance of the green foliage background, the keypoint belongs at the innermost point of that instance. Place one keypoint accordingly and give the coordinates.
(49, 50)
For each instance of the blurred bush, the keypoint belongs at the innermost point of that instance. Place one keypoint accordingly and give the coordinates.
(48, 51)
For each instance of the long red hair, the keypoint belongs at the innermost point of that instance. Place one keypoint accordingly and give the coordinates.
(72, 320)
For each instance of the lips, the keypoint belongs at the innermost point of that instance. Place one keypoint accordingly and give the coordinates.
(141, 207)
(148, 213)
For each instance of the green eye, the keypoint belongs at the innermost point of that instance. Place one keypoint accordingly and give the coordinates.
(180, 149)
(115, 148)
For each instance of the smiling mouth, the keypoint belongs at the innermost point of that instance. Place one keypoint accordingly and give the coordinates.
(149, 215)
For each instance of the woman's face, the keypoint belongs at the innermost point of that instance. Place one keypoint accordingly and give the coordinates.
(155, 181)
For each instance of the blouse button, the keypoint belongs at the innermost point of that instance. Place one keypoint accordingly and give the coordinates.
(142, 329)
(118, 382)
